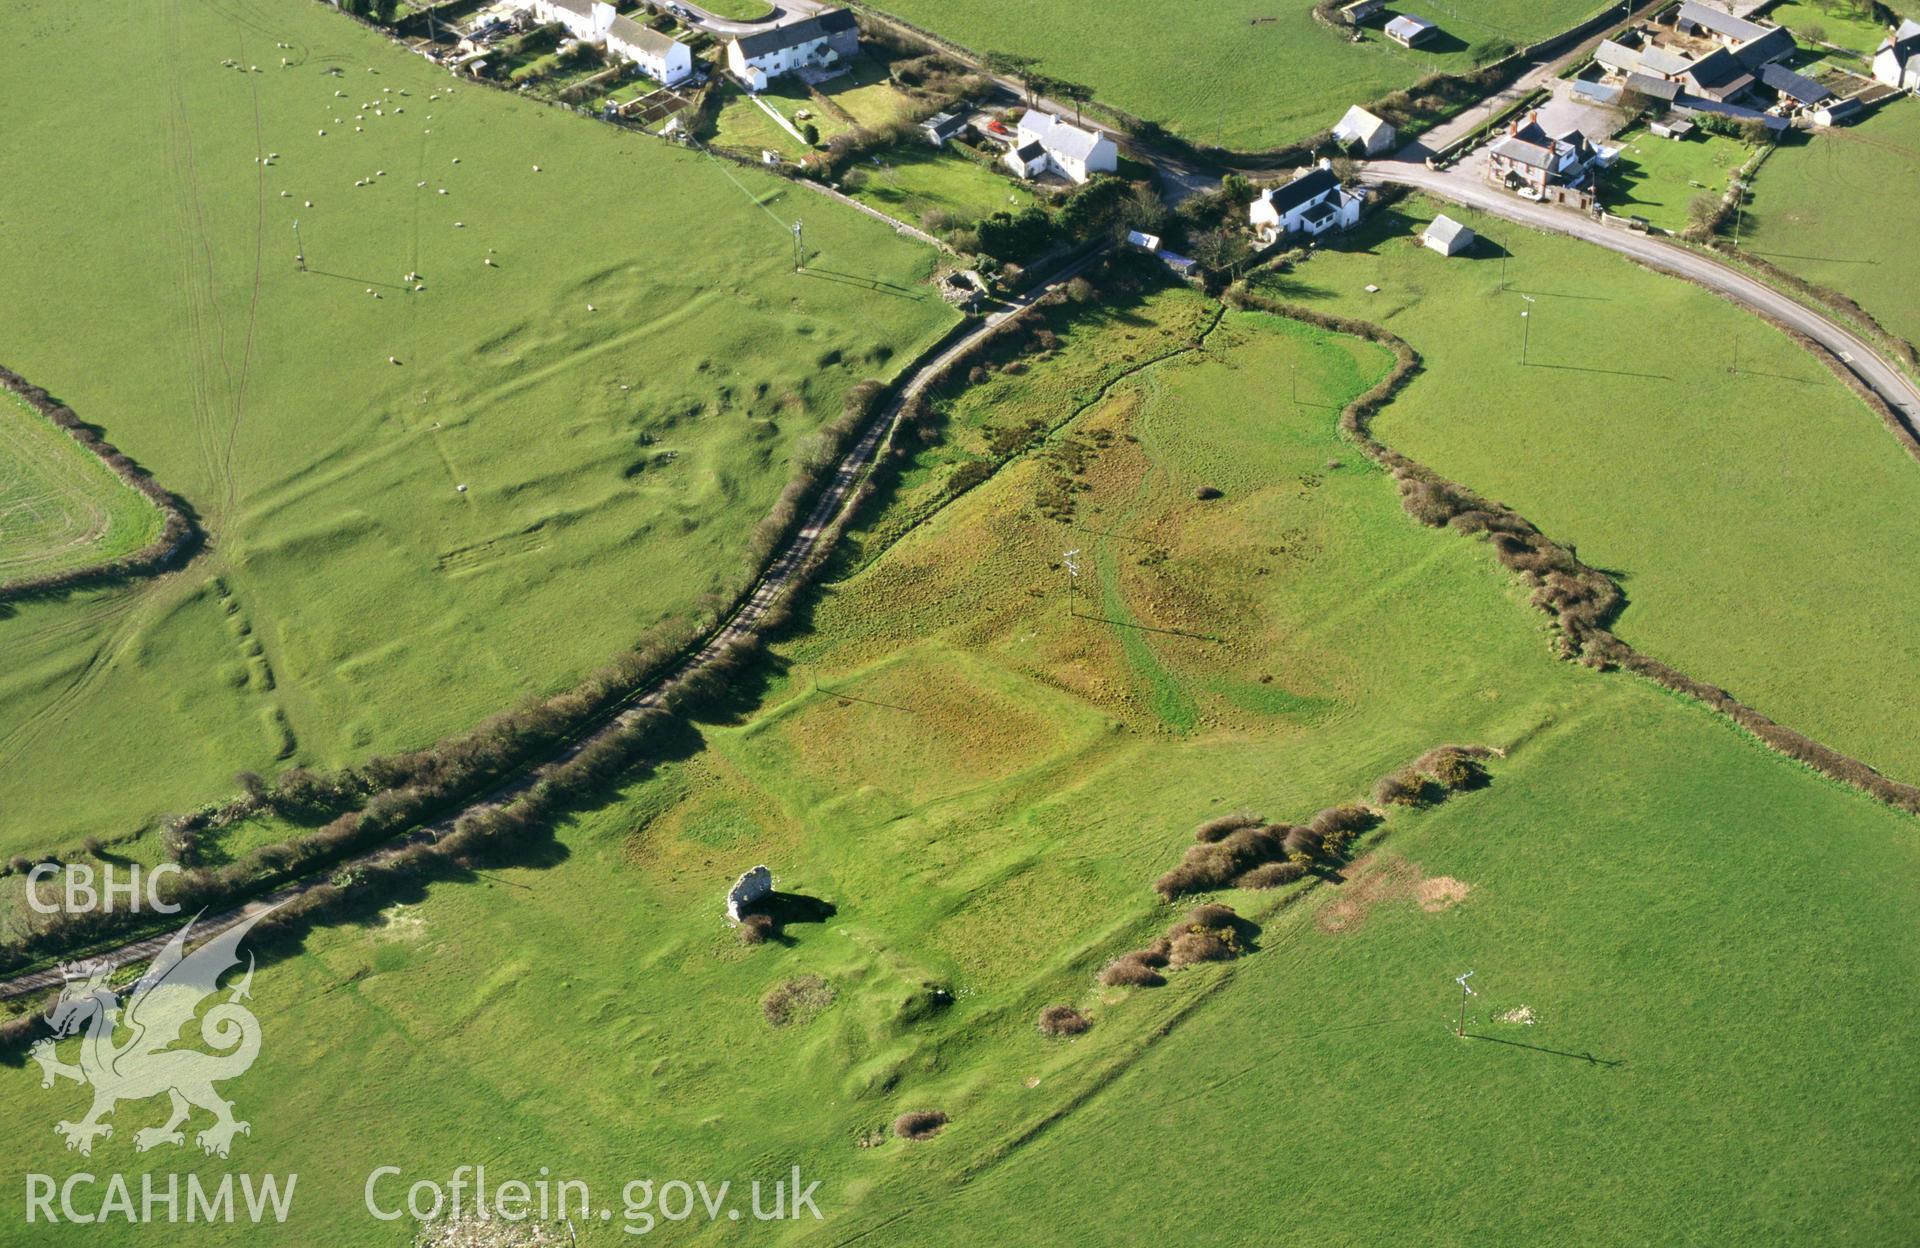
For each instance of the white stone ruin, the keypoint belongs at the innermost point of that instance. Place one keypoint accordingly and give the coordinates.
(746, 890)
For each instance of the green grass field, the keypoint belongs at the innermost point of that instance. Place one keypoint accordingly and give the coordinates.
(1819, 209)
(60, 507)
(1707, 490)
(423, 504)
(1842, 25)
(981, 783)
(739, 10)
(1241, 74)
(1660, 178)
(913, 181)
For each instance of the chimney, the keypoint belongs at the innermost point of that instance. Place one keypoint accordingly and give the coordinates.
(1326, 163)
(1513, 126)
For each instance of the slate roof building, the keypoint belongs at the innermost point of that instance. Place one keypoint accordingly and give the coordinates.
(1409, 31)
(1361, 129)
(660, 57)
(1313, 203)
(1447, 236)
(827, 38)
(1896, 61)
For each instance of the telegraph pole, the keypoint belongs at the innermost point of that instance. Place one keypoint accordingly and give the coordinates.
(799, 246)
(1465, 992)
(299, 248)
(1526, 327)
(1072, 560)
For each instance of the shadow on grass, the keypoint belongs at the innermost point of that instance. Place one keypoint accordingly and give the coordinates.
(1588, 1058)
(787, 909)
(1610, 372)
(865, 283)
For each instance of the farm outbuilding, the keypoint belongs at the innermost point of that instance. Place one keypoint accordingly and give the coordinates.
(1838, 112)
(943, 126)
(1361, 129)
(1447, 236)
(1409, 31)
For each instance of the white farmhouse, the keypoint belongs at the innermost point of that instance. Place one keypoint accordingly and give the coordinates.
(1313, 203)
(584, 19)
(660, 57)
(827, 38)
(1048, 143)
(1361, 129)
(1897, 61)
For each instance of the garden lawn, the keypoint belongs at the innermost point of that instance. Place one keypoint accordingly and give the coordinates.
(1756, 518)
(60, 506)
(964, 787)
(739, 10)
(1241, 74)
(1828, 209)
(1841, 25)
(424, 505)
(913, 181)
(1660, 178)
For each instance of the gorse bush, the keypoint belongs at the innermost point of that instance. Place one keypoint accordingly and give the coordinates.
(1271, 875)
(1062, 1020)
(1129, 971)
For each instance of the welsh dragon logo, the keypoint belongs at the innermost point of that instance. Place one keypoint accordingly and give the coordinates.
(144, 1063)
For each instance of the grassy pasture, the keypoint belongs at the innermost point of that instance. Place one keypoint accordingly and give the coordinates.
(981, 786)
(1628, 434)
(1241, 74)
(60, 507)
(1825, 210)
(1660, 178)
(570, 447)
(913, 180)
(1841, 25)
(739, 10)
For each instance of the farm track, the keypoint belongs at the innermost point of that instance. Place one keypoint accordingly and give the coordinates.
(785, 574)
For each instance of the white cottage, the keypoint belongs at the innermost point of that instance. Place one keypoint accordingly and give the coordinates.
(827, 38)
(660, 57)
(1897, 61)
(584, 19)
(1313, 203)
(1048, 143)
